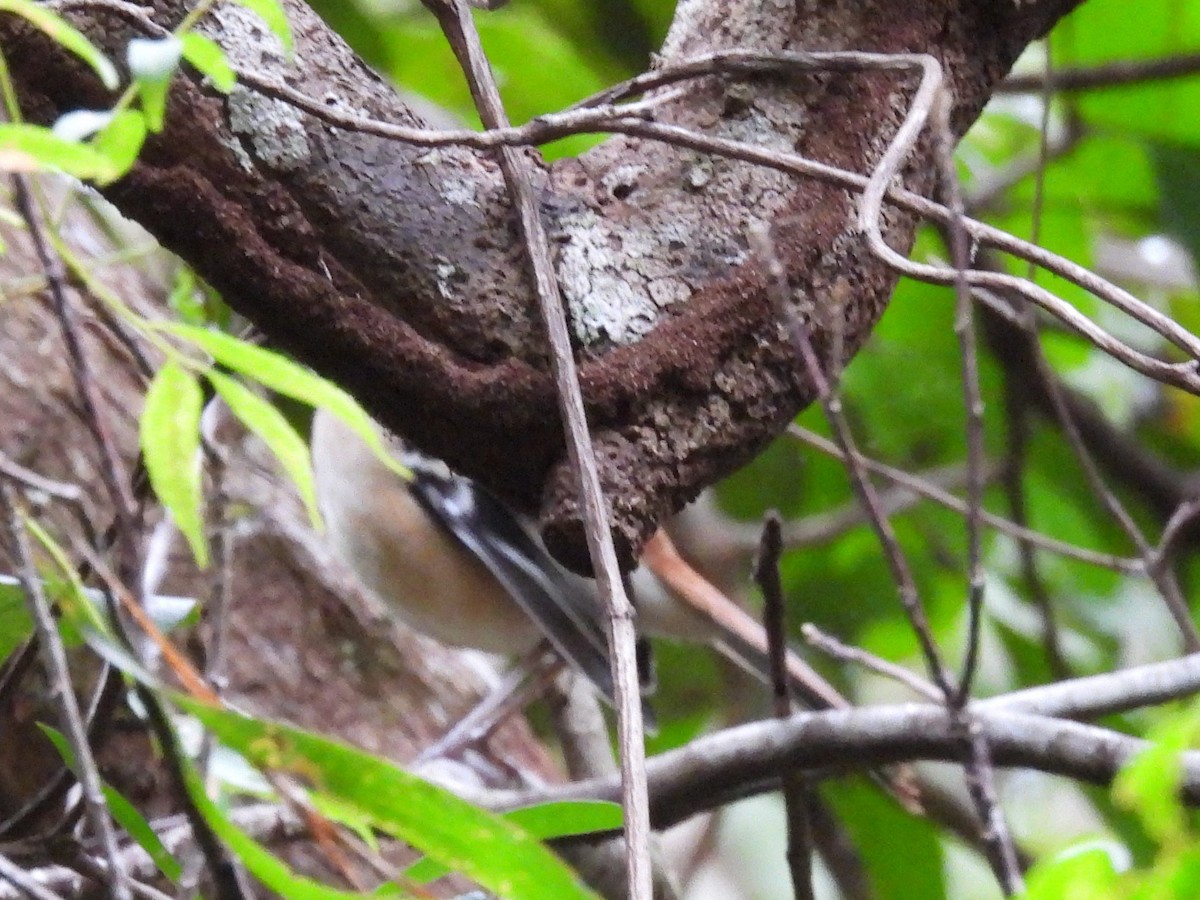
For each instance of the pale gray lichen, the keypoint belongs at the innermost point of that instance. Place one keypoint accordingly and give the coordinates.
(275, 129)
(446, 273)
(621, 180)
(615, 284)
(460, 191)
(245, 38)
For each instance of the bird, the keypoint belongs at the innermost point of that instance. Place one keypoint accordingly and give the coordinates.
(450, 560)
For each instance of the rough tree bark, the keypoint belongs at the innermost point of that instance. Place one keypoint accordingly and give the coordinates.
(303, 643)
(396, 270)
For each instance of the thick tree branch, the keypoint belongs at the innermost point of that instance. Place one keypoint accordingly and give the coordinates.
(739, 762)
(336, 242)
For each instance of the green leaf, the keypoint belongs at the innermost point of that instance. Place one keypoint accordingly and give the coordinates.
(260, 862)
(123, 811)
(1084, 873)
(565, 818)
(207, 57)
(494, 853)
(283, 376)
(170, 438)
(32, 148)
(543, 821)
(15, 623)
(1149, 784)
(276, 432)
(152, 63)
(122, 138)
(271, 12)
(896, 849)
(67, 36)
(83, 616)
(154, 102)
(76, 608)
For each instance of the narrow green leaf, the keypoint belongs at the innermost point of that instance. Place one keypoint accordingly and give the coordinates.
(32, 148)
(126, 814)
(170, 438)
(494, 853)
(207, 57)
(1082, 873)
(83, 617)
(544, 821)
(122, 138)
(283, 376)
(154, 102)
(271, 12)
(67, 590)
(276, 432)
(129, 818)
(57, 28)
(15, 623)
(565, 818)
(273, 872)
(1149, 783)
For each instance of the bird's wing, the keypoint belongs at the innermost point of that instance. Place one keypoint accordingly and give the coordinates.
(567, 615)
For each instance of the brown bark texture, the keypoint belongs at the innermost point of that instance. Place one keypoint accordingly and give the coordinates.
(304, 643)
(397, 270)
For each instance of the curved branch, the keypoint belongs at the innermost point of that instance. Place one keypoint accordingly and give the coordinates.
(715, 770)
(391, 268)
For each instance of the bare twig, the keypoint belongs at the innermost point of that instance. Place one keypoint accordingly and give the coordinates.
(263, 821)
(935, 493)
(1117, 73)
(716, 769)
(841, 857)
(24, 882)
(981, 785)
(54, 659)
(528, 678)
(1016, 407)
(797, 794)
(1108, 694)
(828, 644)
(459, 27)
(860, 481)
(980, 774)
(59, 490)
(110, 465)
(730, 621)
(221, 579)
(964, 328)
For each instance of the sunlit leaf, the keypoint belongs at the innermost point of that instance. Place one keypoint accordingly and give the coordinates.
(122, 138)
(209, 59)
(1078, 874)
(492, 852)
(170, 439)
(273, 872)
(544, 822)
(31, 148)
(1149, 784)
(283, 376)
(15, 623)
(276, 432)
